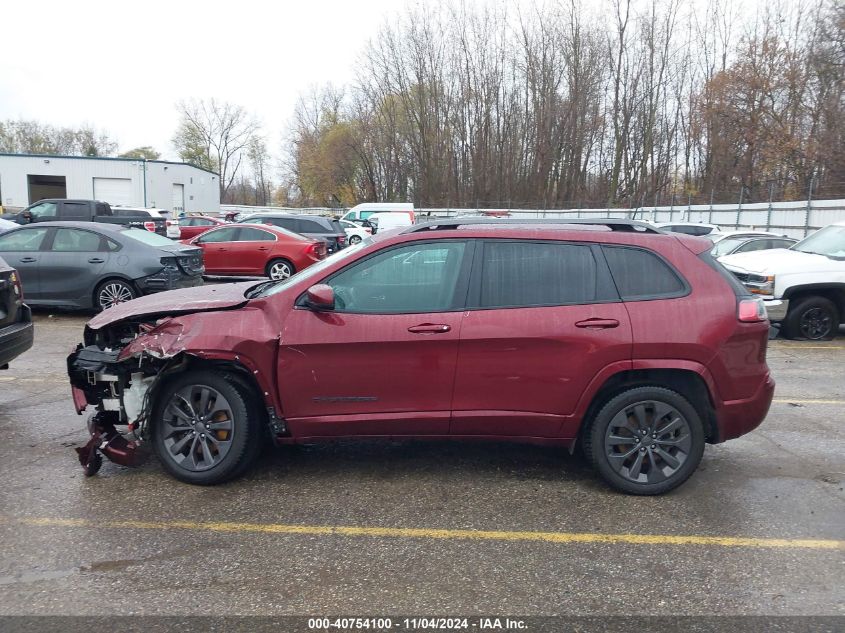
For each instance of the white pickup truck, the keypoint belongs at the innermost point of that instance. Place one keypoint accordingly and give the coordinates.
(803, 287)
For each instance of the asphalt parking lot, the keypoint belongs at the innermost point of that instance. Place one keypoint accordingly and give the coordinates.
(424, 528)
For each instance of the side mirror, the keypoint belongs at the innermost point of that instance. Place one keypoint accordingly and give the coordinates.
(320, 297)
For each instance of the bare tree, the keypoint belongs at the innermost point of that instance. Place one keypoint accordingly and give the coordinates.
(214, 135)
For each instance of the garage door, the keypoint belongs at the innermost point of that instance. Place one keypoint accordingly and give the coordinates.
(178, 202)
(115, 191)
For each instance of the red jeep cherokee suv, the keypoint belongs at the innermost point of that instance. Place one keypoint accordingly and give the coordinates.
(631, 342)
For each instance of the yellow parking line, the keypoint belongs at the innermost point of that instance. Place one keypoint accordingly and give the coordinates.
(805, 401)
(440, 534)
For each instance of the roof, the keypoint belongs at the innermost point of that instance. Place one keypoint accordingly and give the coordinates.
(130, 160)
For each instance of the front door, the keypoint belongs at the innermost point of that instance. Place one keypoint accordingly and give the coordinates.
(544, 319)
(383, 362)
(216, 249)
(21, 249)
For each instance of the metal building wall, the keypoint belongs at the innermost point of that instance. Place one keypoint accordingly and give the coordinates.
(201, 188)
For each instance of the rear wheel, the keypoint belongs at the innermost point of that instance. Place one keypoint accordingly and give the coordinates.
(206, 428)
(112, 292)
(812, 318)
(354, 239)
(280, 269)
(646, 441)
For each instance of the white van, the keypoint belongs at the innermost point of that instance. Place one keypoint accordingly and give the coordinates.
(364, 210)
(389, 220)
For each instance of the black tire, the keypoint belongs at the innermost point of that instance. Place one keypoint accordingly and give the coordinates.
(354, 239)
(614, 456)
(812, 318)
(176, 440)
(276, 266)
(112, 292)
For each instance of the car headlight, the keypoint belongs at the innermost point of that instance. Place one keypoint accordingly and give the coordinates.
(761, 284)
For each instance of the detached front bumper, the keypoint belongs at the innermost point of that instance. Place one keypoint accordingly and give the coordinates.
(17, 337)
(776, 309)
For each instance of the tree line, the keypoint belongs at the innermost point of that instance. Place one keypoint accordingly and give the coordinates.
(633, 104)
(616, 103)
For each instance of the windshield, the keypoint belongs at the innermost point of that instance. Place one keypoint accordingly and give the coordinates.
(272, 287)
(148, 237)
(829, 241)
(726, 245)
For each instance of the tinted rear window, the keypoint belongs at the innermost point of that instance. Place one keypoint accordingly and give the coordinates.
(525, 274)
(640, 274)
(147, 237)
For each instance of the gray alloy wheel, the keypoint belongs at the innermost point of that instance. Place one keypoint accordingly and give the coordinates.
(197, 428)
(206, 426)
(646, 440)
(113, 292)
(354, 239)
(812, 318)
(279, 269)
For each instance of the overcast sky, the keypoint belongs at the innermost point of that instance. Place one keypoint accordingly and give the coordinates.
(122, 66)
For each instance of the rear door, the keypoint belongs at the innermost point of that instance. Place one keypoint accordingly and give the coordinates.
(21, 249)
(72, 265)
(250, 251)
(543, 320)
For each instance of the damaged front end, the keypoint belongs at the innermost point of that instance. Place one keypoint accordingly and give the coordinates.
(116, 371)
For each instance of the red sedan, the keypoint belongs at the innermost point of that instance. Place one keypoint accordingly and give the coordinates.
(237, 249)
(197, 225)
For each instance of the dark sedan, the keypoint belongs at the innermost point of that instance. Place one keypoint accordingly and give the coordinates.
(94, 265)
(15, 317)
(316, 227)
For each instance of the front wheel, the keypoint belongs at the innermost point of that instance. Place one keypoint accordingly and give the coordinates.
(811, 318)
(646, 441)
(206, 430)
(280, 269)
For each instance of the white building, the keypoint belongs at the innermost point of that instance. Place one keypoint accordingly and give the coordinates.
(27, 178)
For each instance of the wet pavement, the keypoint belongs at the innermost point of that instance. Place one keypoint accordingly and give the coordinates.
(286, 538)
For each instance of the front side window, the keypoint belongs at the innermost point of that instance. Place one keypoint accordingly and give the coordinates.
(532, 274)
(221, 235)
(641, 275)
(22, 240)
(76, 241)
(44, 210)
(417, 278)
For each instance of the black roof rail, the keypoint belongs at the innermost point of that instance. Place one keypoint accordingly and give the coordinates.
(614, 224)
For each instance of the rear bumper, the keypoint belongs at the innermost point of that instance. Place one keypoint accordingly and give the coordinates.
(163, 282)
(738, 417)
(16, 338)
(776, 309)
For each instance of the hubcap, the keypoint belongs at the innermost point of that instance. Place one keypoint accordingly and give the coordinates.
(648, 442)
(279, 270)
(198, 426)
(816, 323)
(112, 294)
(354, 239)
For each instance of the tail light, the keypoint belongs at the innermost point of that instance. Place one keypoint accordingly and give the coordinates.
(16, 284)
(150, 226)
(341, 239)
(752, 310)
(317, 249)
(169, 263)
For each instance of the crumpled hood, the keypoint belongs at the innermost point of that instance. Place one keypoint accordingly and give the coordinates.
(199, 299)
(779, 261)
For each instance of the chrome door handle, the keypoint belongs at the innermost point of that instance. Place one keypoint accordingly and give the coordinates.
(430, 328)
(597, 324)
